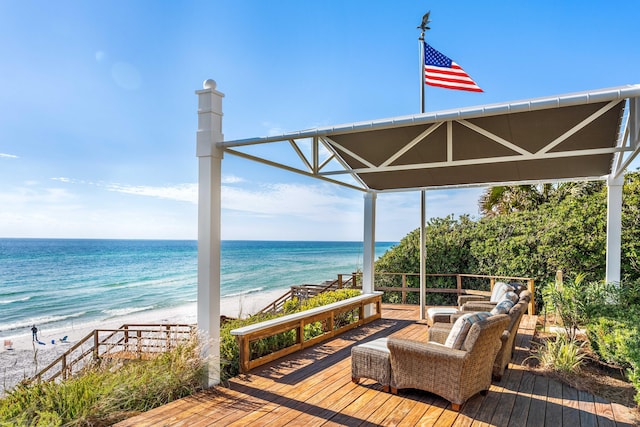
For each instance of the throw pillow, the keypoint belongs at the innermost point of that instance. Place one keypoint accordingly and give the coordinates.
(499, 289)
(459, 331)
(512, 296)
(503, 307)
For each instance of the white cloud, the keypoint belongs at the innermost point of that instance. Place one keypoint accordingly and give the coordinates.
(27, 195)
(296, 211)
(65, 180)
(232, 179)
(34, 211)
(315, 202)
(8, 156)
(180, 192)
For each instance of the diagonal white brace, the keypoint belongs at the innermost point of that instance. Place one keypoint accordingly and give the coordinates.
(494, 137)
(578, 127)
(411, 144)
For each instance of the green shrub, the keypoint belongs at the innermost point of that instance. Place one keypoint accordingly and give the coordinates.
(613, 327)
(230, 353)
(615, 341)
(634, 377)
(565, 231)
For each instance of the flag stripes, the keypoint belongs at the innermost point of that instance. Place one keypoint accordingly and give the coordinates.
(441, 71)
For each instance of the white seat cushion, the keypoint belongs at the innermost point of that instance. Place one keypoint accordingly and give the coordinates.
(379, 344)
(440, 310)
(499, 289)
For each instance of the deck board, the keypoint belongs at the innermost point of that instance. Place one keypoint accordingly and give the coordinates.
(313, 388)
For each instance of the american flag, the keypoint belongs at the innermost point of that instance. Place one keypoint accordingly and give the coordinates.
(441, 71)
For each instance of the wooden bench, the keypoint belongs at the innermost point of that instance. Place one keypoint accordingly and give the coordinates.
(297, 322)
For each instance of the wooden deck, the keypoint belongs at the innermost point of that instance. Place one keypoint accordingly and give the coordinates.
(313, 387)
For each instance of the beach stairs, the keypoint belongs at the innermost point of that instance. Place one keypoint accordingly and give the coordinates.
(128, 342)
(306, 291)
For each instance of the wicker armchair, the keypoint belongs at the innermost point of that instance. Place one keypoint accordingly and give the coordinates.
(453, 374)
(440, 331)
(483, 296)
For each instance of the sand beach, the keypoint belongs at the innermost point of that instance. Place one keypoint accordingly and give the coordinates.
(26, 357)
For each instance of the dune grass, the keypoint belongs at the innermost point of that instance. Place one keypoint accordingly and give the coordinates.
(107, 393)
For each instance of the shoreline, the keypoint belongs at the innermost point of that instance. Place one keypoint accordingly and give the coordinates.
(26, 357)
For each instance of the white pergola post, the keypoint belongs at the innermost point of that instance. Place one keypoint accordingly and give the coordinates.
(368, 255)
(614, 228)
(209, 211)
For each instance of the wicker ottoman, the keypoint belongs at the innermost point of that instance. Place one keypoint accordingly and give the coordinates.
(371, 360)
(440, 314)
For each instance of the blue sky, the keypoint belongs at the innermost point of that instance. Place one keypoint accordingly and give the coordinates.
(98, 111)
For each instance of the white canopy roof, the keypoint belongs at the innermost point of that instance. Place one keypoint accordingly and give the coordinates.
(585, 135)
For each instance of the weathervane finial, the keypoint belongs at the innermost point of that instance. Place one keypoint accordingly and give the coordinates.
(423, 26)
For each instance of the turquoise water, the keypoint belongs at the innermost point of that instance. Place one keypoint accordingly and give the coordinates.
(55, 282)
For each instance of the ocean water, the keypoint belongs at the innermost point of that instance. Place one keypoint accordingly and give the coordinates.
(55, 282)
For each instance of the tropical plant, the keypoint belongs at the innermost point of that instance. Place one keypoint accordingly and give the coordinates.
(569, 303)
(501, 200)
(561, 354)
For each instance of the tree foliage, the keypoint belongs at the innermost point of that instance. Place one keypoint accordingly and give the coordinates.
(565, 229)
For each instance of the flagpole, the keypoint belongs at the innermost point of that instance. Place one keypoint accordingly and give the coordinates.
(421, 45)
(423, 193)
(422, 27)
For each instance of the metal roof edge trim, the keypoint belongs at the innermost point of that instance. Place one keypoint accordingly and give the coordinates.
(534, 104)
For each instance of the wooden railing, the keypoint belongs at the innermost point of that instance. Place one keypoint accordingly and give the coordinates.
(131, 341)
(327, 315)
(354, 280)
(459, 288)
(307, 291)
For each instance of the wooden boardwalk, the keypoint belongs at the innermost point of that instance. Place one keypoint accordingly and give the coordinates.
(313, 387)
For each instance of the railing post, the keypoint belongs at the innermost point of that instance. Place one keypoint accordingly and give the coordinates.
(532, 303)
(64, 366)
(404, 286)
(95, 345)
(243, 347)
(126, 337)
(492, 281)
(558, 278)
(459, 283)
(168, 335)
(300, 333)
(339, 281)
(139, 345)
